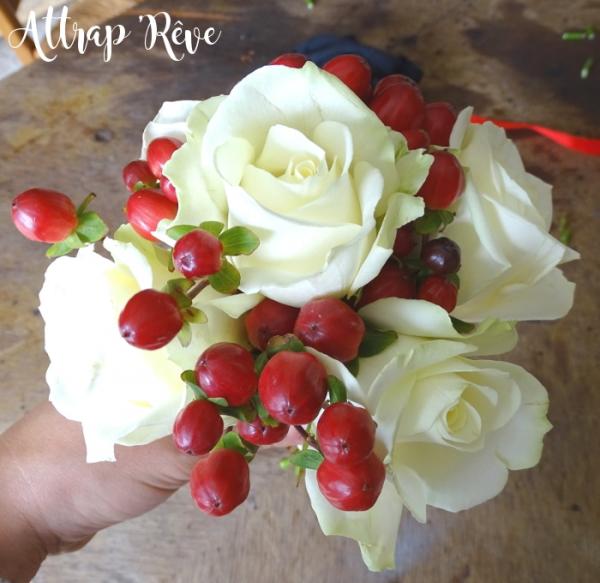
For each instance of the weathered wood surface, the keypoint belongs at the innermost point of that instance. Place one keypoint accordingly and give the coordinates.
(70, 125)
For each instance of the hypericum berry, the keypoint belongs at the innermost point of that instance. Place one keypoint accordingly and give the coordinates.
(400, 106)
(389, 80)
(198, 427)
(168, 189)
(444, 183)
(198, 253)
(226, 370)
(416, 139)
(292, 387)
(293, 60)
(150, 319)
(393, 281)
(405, 241)
(442, 256)
(146, 208)
(439, 121)
(438, 290)
(43, 215)
(346, 434)
(220, 482)
(352, 488)
(268, 319)
(159, 153)
(258, 433)
(332, 327)
(354, 71)
(137, 172)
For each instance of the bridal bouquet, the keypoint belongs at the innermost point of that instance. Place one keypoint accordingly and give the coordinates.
(314, 252)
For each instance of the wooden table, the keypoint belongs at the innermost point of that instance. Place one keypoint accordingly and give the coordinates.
(71, 125)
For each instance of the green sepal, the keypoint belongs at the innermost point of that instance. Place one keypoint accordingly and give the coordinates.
(179, 231)
(260, 362)
(91, 227)
(454, 279)
(433, 221)
(462, 327)
(189, 378)
(308, 459)
(376, 341)
(185, 334)
(287, 342)
(194, 316)
(231, 440)
(178, 288)
(212, 227)
(337, 390)
(139, 185)
(353, 366)
(239, 241)
(245, 413)
(285, 463)
(262, 413)
(227, 280)
(65, 246)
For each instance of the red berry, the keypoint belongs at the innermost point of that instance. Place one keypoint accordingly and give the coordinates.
(438, 290)
(168, 189)
(258, 433)
(150, 319)
(405, 241)
(354, 71)
(292, 387)
(220, 482)
(352, 488)
(332, 327)
(198, 427)
(137, 172)
(416, 139)
(389, 80)
(393, 281)
(159, 153)
(146, 208)
(444, 183)
(400, 107)
(441, 255)
(294, 60)
(439, 121)
(44, 215)
(346, 434)
(227, 370)
(268, 319)
(198, 253)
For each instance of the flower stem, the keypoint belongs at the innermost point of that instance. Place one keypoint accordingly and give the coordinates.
(197, 288)
(307, 437)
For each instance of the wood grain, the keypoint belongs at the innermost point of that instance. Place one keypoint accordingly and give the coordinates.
(70, 125)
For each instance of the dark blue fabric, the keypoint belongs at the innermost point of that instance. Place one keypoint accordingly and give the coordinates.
(321, 48)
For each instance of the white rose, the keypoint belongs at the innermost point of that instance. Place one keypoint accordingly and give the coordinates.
(295, 156)
(509, 260)
(119, 393)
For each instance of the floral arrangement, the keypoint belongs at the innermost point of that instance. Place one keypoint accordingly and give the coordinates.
(314, 252)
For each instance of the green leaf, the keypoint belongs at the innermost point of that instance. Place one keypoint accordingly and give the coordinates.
(376, 341)
(287, 342)
(337, 390)
(227, 280)
(353, 366)
(91, 227)
(239, 241)
(260, 362)
(179, 231)
(185, 335)
(213, 227)
(309, 459)
(66, 246)
(462, 327)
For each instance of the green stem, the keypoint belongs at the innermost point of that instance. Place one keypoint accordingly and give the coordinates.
(86, 202)
(307, 437)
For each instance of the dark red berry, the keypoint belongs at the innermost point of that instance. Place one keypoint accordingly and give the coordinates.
(352, 488)
(198, 253)
(159, 153)
(405, 241)
(444, 183)
(389, 80)
(346, 433)
(332, 327)
(400, 106)
(167, 188)
(439, 121)
(220, 482)
(227, 370)
(268, 319)
(354, 71)
(393, 281)
(146, 208)
(136, 173)
(293, 60)
(198, 427)
(292, 387)
(442, 256)
(416, 139)
(150, 319)
(258, 433)
(438, 290)
(44, 215)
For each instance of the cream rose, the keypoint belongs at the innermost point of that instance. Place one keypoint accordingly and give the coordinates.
(119, 393)
(295, 156)
(509, 260)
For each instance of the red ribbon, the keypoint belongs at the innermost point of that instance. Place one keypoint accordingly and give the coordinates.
(589, 146)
